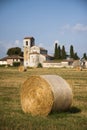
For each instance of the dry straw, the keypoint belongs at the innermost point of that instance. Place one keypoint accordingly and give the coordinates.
(22, 69)
(42, 94)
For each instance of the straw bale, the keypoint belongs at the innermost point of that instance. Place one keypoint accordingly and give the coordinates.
(61, 91)
(79, 68)
(36, 96)
(42, 94)
(22, 69)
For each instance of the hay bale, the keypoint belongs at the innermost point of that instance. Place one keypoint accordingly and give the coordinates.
(79, 68)
(42, 94)
(61, 91)
(22, 69)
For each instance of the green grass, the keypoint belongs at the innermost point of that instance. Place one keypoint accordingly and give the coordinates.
(12, 116)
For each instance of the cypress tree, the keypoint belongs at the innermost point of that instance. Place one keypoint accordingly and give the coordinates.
(59, 52)
(76, 56)
(85, 56)
(71, 52)
(55, 52)
(63, 55)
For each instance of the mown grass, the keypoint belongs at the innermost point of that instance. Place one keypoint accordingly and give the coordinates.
(13, 118)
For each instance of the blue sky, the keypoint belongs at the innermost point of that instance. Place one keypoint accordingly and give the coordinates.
(64, 21)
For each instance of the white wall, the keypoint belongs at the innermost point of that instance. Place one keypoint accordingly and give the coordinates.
(52, 65)
(24, 42)
(10, 61)
(34, 60)
(57, 65)
(3, 62)
(42, 58)
(35, 49)
(86, 64)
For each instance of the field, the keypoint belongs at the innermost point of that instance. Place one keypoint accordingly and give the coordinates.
(13, 118)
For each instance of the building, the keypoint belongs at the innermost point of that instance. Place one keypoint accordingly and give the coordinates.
(28, 43)
(9, 60)
(33, 55)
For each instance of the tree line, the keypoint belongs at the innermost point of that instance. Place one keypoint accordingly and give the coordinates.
(60, 53)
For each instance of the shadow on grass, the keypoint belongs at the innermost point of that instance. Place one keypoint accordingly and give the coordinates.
(74, 110)
(63, 114)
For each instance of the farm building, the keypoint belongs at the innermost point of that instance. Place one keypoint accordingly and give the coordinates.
(9, 60)
(33, 55)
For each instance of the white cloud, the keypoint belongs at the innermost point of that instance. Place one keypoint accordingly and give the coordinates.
(66, 27)
(77, 27)
(17, 42)
(56, 41)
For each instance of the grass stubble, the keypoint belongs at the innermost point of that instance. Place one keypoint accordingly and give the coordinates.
(12, 116)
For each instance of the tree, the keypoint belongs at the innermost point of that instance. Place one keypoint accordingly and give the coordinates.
(76, 56)
(63, 53)
(21, 54)
(85, 56)
(59, 52)
(55, 52)
(71, 52)
(14, 51)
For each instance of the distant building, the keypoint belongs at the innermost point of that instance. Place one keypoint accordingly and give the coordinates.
(9, 60)
(33, 55)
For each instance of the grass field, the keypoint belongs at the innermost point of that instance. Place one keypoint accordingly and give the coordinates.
(13, 118)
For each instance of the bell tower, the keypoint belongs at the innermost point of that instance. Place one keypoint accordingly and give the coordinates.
(28, 43)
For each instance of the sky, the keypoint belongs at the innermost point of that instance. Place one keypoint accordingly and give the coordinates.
(48, 21)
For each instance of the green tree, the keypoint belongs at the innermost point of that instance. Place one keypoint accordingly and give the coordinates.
(85, 56)
(55, 52)
(14, 51)
(63, 53)
(59, 52)
(21, 54)
(76, 57)
(71, 52)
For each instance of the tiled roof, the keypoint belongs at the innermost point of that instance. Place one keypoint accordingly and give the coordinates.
(15, 57)
(41, 48)
(3, 59)
(11, 57)
(47, 55)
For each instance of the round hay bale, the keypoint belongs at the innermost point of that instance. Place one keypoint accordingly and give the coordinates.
(79, 68)
(61, 91)
(42, 94)
(22, 69)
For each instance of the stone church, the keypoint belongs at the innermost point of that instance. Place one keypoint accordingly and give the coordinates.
(33, 55)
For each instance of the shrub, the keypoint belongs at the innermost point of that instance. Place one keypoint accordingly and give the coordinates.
(16, 64)
(39, 65)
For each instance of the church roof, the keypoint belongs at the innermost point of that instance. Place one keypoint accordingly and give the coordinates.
(41, 48)
(29, 38)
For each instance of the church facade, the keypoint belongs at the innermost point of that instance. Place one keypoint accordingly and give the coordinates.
(33, 55)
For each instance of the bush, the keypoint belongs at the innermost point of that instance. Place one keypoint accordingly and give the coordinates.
(16, 64)
(2, 65)
(39, 65)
